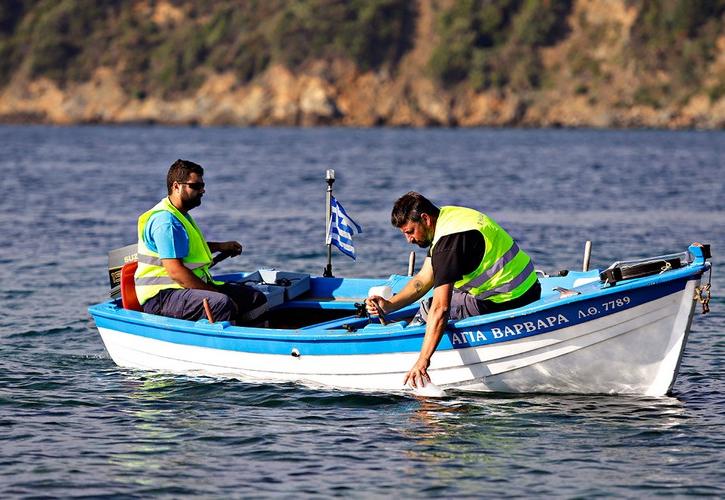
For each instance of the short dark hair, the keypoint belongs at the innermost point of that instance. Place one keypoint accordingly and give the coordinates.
(410, 207)
(180, 172)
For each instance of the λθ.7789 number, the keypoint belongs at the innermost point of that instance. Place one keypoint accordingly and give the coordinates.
(605, 307)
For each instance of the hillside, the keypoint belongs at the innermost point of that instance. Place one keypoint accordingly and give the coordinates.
(598, 63)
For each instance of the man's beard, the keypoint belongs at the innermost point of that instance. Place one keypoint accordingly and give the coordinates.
(190, 203)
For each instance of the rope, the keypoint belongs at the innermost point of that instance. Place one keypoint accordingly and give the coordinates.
(703, 294)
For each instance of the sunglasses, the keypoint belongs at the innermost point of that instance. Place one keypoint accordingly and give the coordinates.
(196, 186)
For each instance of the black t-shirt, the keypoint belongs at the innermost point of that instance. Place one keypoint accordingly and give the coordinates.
(456, 255)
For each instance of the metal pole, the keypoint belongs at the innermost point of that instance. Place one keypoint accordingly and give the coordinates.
(330, 178)
(411, 263)
(587, 255)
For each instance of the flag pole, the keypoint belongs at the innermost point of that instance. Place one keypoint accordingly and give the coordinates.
(330, 178)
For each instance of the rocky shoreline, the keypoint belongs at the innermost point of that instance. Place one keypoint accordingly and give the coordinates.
(283, 98)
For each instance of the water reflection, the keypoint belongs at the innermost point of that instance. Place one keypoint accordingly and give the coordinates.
(156, 429)
(537, 433)
(489, 422)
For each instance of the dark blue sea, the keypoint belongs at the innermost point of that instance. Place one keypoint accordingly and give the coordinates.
(73, 424)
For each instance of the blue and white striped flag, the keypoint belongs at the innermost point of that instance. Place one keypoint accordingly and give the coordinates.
(341, 229)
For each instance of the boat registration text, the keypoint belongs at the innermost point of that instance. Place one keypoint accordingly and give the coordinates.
(538, 325)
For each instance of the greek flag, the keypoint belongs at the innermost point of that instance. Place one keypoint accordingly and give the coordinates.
(341, 228)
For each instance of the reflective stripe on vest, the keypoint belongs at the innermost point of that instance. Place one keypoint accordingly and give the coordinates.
(511, 285)
(154, 280)
(151, 276)
(155, 261)
(489, 273)
(505, 272)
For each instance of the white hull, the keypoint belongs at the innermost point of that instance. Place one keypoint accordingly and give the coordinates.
(633, 351)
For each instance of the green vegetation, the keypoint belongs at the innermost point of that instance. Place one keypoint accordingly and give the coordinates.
(677, 37)
(66, 39)
(370, 32)
(494, 43)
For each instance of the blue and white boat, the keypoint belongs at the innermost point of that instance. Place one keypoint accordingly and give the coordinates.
(619, 331)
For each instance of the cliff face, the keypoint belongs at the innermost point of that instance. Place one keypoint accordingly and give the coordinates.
(590, 76)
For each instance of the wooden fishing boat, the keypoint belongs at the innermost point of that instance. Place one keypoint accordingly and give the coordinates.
(622, 330)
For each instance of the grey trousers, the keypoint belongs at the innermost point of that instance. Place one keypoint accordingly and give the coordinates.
(465, 305)
(233, 302)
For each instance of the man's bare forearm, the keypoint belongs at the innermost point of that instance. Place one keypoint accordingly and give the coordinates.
(191, 280)
(418, 286)
(411, 292)
(184, 276)
(435, 326)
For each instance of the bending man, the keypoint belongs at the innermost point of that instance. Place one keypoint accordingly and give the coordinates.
(173, 277)
(474, 266)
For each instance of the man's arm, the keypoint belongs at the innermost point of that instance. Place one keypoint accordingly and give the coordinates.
(182, 275)
(435, 326)
(412, 291)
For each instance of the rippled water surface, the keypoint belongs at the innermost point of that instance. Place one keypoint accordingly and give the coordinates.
(73, 424)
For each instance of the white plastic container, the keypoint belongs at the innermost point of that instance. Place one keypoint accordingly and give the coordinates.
(383, 291)
(430, 390)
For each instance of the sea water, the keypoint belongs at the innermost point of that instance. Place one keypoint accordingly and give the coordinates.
(73, 424)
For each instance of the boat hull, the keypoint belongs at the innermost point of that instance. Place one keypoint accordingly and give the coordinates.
(627, 340)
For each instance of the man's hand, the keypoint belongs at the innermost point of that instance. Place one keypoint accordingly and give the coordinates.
(418, 375)
(376, 305)
(233, 248)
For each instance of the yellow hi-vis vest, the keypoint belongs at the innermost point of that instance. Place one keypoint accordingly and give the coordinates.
(505, 272)
(150, 276)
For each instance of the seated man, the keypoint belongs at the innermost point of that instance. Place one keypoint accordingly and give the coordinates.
(173, 277)
(474, 266)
